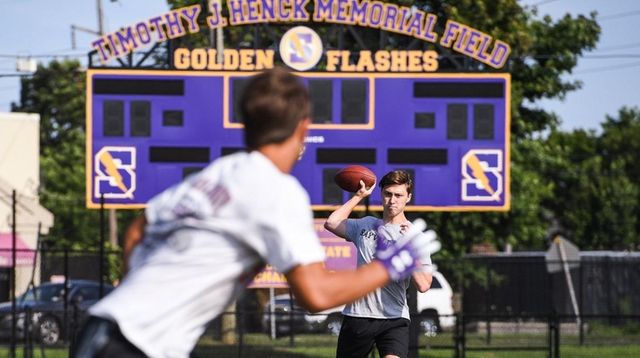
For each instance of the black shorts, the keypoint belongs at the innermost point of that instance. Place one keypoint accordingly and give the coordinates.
(101, 338)
(358, 335)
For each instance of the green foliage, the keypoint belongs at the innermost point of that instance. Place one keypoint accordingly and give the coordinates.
(596, 196)
(57, 93)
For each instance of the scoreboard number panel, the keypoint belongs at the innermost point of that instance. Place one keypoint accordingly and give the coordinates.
(147, 130)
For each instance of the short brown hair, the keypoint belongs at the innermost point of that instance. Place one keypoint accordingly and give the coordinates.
(272, 105)
(397, 177)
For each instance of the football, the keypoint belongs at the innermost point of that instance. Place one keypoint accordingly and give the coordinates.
(349, 178)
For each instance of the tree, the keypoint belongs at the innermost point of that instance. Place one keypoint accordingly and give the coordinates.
(57, 93)
(596, 195)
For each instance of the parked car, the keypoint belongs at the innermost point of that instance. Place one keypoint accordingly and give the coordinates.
(435, 309)
(45, 304)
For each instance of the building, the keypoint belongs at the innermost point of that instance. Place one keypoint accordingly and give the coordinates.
(20, 172)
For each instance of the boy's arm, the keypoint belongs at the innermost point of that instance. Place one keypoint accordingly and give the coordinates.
(422, 280)
(318, 289)
(132, 237)
(337, 221)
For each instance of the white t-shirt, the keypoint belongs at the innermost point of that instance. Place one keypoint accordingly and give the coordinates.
(205, 239)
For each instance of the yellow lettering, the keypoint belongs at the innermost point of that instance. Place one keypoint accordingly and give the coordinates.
(181, 59)
(346, 252)
(344, 59)
(213, 63)
(246, 60)
(199, 59)
(415, 61)
(231, 59)
(332, 60)
(264, 59)
(365, 62)
(382, 61)
(430, 61)
(328, 251)
(398, 61)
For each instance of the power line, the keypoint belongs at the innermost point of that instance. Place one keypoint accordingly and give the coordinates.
(44, 55)
(609, 57)
(618, 47)
(543, 2)
(608, 68)
(619, 15)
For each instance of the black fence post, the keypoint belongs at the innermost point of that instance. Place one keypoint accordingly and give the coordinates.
(67, 285)
(463, 335)
(102, 239)
(28, 341)
(554, 335)
(240, 317)
(414, 324)
(459, 336)
(581, 327)
(291, 317)
(550, 336)
(488, 314)
(14, 318)
(556, 341)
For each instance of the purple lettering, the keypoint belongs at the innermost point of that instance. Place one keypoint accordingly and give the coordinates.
(322, 10)
(172, 19)
(214, 20)
(113, 45)
(299, 11)
(268, 11)
(499, 54)
(358, 11)
(100, 46)
(428, 33)
(390, 17)
(191, 14)
(341, 10)
(450, 33)
(471, 43)
(143, 32)
(157, 23)
(127, 40)
(235, 10)
(376, 11)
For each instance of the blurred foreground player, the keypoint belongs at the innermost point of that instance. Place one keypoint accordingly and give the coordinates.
(202, 240)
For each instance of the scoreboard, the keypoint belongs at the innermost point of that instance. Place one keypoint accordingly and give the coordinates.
(147, 130)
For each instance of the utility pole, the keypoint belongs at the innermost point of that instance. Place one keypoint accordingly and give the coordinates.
(113, 219)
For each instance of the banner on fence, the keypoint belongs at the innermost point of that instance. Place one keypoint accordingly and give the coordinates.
(341, 255)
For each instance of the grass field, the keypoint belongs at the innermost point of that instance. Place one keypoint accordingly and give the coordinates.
(323, 346)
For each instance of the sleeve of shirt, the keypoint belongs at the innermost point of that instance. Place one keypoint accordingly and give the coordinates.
(289, 232)
(351, 231)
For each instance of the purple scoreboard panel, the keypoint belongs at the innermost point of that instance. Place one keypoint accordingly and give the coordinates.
(147, 130)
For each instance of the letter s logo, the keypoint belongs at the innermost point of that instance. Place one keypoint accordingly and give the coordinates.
(114, 169)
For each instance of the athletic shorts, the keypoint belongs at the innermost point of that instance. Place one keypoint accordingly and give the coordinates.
(358, 335)
(101, 338)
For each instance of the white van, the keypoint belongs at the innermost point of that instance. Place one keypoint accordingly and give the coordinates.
(435, 307)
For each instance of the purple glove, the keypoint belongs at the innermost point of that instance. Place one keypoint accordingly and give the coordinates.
(403, 256)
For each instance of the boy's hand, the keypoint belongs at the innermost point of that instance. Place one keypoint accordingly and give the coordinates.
(403, 256)
(363, 192)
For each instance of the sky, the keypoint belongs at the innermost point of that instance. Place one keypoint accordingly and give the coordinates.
(41, 29)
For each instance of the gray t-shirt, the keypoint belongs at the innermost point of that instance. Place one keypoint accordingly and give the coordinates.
(389, 301)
